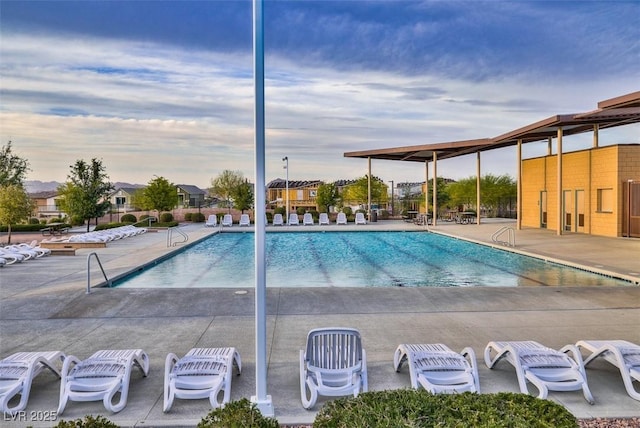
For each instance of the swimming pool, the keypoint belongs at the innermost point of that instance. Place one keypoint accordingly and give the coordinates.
(355, 259)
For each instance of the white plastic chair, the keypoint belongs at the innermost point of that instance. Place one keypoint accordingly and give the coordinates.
(437, 368)
(332, 364)
(244, 220)
(341, 218)
(360, 218)
(101, 377)
(277, 220)
(293, 219)
(307, 219)
(323, 219)
(212, 221)
(622, 354)
(17, 372)
(227, 220)
(202, 373)
(547, 369)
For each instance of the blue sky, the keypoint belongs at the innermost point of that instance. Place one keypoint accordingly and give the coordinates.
(165, 88)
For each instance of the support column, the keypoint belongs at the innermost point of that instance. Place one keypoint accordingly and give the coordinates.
(596, 142)
(519, 188)
(560, 209)
(478, 188)
(426, 189)
(549, 146)
(435, 188)
(369, 192)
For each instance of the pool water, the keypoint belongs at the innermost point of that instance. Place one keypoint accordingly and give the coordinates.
(355, 259)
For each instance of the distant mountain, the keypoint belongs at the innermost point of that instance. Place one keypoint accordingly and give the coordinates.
(35, 186)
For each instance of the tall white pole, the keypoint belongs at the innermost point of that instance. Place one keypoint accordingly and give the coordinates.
(286, 159)
(261, 399)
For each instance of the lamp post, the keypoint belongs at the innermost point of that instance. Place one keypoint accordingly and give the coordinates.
(286, 160)
(391, 198)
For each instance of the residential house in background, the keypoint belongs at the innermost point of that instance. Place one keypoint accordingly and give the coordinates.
(302, 194)
(190, 196)
(121, 199)
(46, 204)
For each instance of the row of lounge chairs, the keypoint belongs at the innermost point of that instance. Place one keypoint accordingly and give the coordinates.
(333, 363)
(106, 235)
(18, 253)
(278, 220)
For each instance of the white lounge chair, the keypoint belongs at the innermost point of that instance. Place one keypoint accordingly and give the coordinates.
(202, 373)
(360, 218)
(11, 257)
(36, 247)
(27, 251)
(622, 354)
(307, 219)
(2, 262)
(333, 364)
(277, 220)
(17, 372)
(101, 377)
(244, 220)
(293, 219)
(212, 221)
(323, 219)
(437, 368)
(10, 250)
(546, 368)
(227, 220)
(341, 218)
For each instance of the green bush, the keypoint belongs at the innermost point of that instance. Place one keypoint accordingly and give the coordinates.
(88, 422)
(314, 214)
(77, 221)
(347, 211)
(167, 224)
(383, 215)
(237, 414)
(301, 210)
(166, 217)
(411, 408)
(26, 227)
(280, 210)
(33, 220)
(269, 216)
(128, 218)
(188, 216)
(55, 220)
(197, 218)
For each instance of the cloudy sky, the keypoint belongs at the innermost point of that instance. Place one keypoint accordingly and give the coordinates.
(165, 87)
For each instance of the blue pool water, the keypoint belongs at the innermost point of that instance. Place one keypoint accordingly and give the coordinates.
(355, 259)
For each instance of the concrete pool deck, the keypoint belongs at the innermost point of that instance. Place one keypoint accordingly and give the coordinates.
(44, 306)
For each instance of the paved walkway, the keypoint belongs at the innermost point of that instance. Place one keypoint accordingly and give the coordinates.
(44, 306)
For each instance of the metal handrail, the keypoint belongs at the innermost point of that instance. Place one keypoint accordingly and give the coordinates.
(89, 271)
(148, 219)
(170, 236)
(511, 236)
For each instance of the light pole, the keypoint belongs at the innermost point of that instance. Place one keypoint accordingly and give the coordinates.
(286, 159)
(391, 198)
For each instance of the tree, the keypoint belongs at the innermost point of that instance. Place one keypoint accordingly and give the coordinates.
(243, 197)
(359, 191)
(86, 193)
(13, 169)
(224, 185)
(327, 196)
(15, 206)
(493, 189)
(159, 195)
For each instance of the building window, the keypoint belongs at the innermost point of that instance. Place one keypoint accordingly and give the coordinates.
(605, 200)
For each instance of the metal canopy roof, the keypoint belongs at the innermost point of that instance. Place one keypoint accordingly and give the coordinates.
(623, 110)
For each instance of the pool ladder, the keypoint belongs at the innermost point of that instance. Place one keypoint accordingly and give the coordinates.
(183, 235)
(511, 236)
(89, 271)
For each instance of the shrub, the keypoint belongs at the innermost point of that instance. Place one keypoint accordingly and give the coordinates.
(383, 215)
(237, 414)
(55, 220)
(280, 210)
(188, 216)
(347, 211)
(301, 210)
(166, 218)
(34, 220)
(405, 407)
(197, 218)
(88, 422)
(269, 216)
(314, 214)
(77, 220)
(128, 218)
(144, 217)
